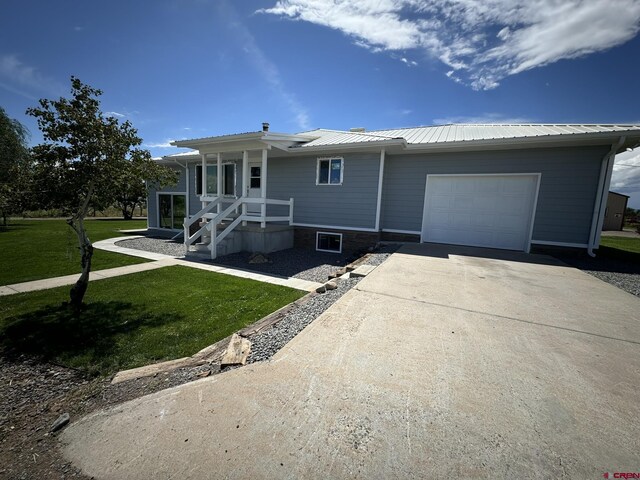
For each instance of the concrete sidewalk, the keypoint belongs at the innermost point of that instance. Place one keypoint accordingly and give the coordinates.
(443, 362)
(160, 261)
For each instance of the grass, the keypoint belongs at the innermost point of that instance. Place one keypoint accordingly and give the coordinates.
(136, 319)
(626, 249)
(624, 244)
(36, 249)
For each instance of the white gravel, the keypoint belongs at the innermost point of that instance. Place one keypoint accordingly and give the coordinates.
(155, 245)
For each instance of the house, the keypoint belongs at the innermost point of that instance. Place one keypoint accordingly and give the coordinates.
(500, 186)
(614, 212)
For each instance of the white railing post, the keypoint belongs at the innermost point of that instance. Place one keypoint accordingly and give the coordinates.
(291, 211)
(186, 236)
(214, 240)
(219, 179)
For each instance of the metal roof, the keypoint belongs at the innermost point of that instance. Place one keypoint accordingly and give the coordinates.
(461, 133)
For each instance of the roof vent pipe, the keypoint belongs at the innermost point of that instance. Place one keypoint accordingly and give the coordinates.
(265, 126)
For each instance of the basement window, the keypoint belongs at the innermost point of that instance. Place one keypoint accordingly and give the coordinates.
(329, 242)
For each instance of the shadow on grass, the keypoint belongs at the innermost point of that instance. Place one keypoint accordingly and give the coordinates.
(89, 339)
(13, 227)
(608, 259)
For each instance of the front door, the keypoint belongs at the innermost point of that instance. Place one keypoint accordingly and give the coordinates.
(255, 182)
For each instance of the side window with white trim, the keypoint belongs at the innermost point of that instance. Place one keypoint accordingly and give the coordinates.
(330, 171)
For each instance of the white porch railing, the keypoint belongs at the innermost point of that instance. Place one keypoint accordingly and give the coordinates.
(210, 229)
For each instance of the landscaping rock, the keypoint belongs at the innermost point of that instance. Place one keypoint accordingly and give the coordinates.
(331, 285)
(258, 258)
(60, 422)
(321, 289)
(237, 351)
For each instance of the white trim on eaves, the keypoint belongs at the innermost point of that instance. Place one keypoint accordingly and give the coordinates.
(560, 244)
(334, 227)
(408, 232)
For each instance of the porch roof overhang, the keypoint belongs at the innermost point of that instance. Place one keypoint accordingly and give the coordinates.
(244, 141)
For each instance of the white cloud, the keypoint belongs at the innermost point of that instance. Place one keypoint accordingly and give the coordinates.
(115, 114)
(461, 33)
(485, 118)
(409, 63)
(626, 174)
(25, 80)
(165, 144)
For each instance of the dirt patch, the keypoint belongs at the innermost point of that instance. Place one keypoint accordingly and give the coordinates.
(33, 394)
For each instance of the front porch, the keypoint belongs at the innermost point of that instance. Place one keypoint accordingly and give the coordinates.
(236, 214)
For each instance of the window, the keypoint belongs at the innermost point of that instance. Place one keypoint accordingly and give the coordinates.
(329, 242)
(228, 179)
(172, 210)
(330, 171)
(255, 177)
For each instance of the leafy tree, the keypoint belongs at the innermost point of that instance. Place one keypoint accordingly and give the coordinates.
(14, 156)
(131, 191)
(82, 160)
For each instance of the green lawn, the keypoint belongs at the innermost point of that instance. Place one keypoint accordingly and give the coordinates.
(136, 319)
(35, 249)
(624, 244)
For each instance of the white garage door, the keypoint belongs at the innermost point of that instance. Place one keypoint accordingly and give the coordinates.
(480, 210)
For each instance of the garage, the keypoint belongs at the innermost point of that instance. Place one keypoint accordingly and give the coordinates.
(494, 211)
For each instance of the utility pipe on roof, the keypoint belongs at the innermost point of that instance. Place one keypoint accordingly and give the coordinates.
(599, 207)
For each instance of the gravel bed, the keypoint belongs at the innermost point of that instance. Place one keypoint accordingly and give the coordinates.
(629, 282)
(300, 263)
(155, 245)
(622, 274)
(264, 345)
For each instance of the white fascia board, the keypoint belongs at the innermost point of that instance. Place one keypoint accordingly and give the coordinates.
(242, 137)
(341, 147)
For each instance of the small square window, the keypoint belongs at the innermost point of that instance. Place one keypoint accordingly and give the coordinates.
(329, 242)
(330, 171)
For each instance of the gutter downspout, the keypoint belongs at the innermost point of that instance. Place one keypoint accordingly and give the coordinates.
(606, 171)
(380, 182)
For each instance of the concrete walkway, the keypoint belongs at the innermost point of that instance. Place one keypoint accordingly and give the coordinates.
(160, 261)
(444, 362)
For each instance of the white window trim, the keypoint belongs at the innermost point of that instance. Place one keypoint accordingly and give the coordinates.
(158, 193)
(329, 179)
(328, 233)
(208, 195)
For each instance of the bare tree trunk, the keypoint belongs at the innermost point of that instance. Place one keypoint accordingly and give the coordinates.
(86, 251)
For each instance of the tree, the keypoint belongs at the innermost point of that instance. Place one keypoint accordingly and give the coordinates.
(81, 161)
(131, 190)
(14, 155)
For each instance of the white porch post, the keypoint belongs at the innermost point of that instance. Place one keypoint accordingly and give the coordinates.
(245, 183)
(219, 177)
(263, 188)
(204, 178)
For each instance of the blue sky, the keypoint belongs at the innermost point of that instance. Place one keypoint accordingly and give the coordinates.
(190, 68)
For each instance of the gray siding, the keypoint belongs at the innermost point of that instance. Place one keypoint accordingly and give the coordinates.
(152, 206)
(194, 200)
(567, 187)
(352, 204)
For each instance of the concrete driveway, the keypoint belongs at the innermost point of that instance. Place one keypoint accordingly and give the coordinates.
(444, 362)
